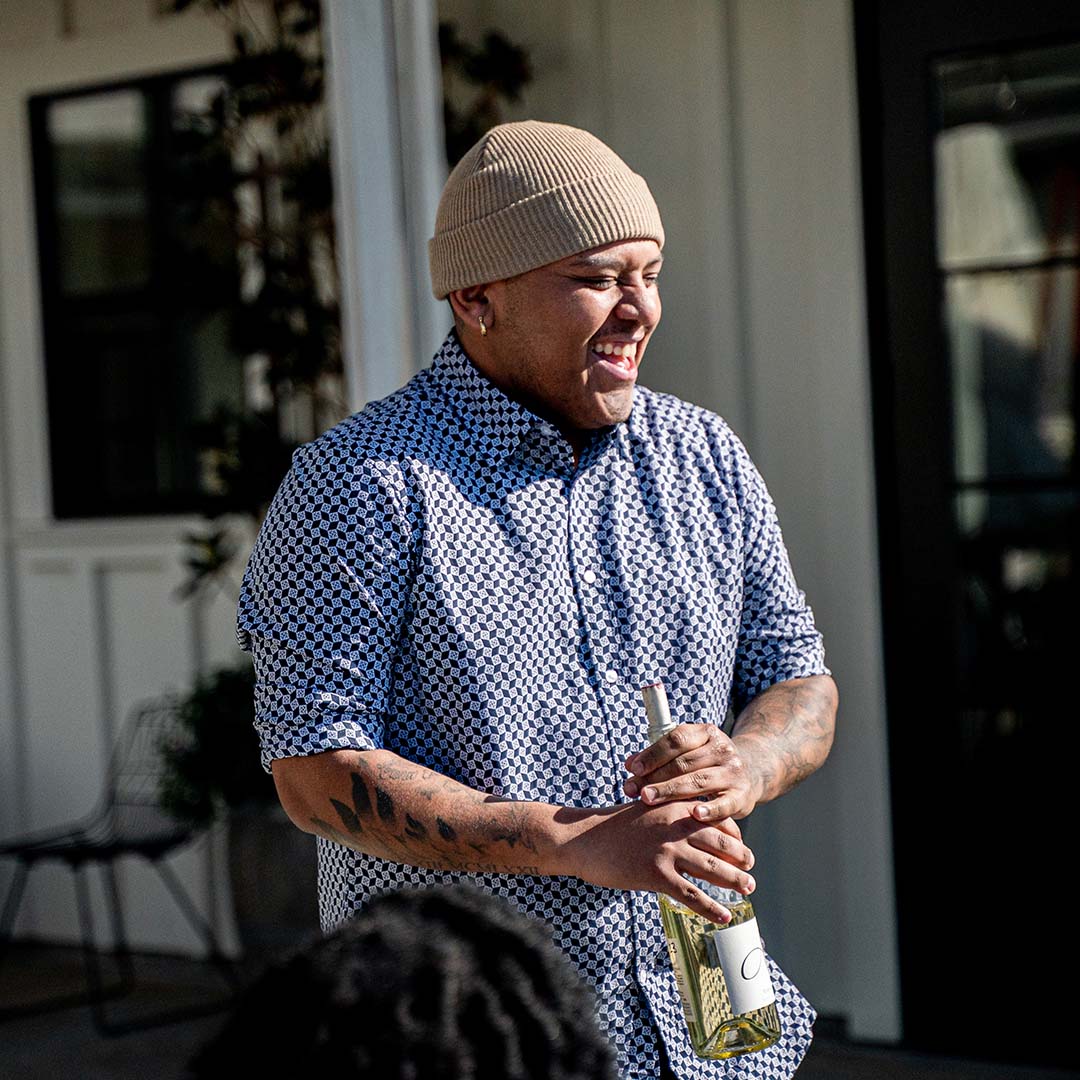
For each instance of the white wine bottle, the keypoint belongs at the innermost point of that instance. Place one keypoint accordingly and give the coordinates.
(721, 971)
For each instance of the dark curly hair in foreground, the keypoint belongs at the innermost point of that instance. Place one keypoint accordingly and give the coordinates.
(433, 984)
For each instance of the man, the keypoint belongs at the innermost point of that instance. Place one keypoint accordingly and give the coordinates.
(458, 593)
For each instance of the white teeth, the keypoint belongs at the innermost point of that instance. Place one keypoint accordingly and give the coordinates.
(607, 349)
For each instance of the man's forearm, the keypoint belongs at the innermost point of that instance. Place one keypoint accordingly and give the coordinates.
(381, 804)
(786, 732)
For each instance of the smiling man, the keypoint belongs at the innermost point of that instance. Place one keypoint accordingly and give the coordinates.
(458, 593)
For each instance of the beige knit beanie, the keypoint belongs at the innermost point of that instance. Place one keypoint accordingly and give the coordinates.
(531, 193)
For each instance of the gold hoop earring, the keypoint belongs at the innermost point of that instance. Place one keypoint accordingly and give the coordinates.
(483, 328)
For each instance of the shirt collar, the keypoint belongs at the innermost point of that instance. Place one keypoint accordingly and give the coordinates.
(496, 421)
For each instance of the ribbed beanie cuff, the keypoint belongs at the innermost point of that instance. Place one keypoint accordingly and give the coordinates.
(531, 193)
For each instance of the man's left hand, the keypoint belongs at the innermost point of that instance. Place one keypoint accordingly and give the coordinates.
(694, 761)
(779, 739)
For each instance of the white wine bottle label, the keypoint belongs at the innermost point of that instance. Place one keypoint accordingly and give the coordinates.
(738, 951)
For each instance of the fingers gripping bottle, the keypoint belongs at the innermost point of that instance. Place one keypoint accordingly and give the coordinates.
(721, 971)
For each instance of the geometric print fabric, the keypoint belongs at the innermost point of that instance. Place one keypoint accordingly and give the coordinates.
(436, 577)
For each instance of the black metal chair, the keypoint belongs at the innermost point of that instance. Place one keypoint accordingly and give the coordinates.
(127, 822)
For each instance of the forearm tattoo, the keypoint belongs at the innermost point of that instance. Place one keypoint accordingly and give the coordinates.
(371, 822)
(786, 732)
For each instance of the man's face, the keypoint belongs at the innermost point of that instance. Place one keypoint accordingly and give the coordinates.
(557, 334)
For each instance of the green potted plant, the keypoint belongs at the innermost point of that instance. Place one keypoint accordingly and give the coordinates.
(214, 766)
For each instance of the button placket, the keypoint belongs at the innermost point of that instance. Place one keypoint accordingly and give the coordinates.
(599, 631)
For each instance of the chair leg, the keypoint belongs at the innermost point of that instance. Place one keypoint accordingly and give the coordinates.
(97, 990)
(91, 957)
(200, 925)
(11, 906)
(173, 1015)
(121, 950)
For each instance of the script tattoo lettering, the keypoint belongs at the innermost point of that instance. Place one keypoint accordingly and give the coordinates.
(415, 830)
(446, 831)
(397, 772)
(468, 866)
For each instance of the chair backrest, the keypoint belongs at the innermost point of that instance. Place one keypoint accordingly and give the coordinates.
(138, 761)
(133, 792)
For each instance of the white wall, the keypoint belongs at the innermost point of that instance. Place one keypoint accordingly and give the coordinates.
(89, 622)
(741, 115)
(811, 430)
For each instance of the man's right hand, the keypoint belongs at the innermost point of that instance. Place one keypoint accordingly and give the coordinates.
(655, 848)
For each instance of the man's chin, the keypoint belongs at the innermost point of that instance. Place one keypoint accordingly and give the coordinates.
(613, 408)
(618, 410)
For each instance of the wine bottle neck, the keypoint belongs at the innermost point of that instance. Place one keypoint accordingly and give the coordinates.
(656, 708)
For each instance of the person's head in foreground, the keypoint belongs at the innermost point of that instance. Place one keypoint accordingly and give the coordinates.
(437, 983)
(548, 247)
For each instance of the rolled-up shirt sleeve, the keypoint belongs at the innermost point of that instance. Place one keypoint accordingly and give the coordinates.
(778, 639)
(323, 602)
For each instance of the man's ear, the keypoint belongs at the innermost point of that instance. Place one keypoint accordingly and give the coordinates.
(472, 310)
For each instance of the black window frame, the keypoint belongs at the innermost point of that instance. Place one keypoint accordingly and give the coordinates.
(72, 498)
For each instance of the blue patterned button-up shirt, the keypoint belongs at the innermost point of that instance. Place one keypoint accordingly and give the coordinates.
(437, 577)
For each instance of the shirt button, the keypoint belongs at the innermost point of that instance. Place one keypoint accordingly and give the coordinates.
(588, 576)
(611, 675)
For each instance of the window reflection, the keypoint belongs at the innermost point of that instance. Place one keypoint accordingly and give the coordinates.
(99, 174)
(1011, 339)
(1007, 164)
(1008, 220)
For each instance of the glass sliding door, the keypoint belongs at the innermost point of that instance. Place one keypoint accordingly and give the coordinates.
(971, 133)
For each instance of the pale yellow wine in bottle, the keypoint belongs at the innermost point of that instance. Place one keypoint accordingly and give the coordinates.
(721, 971)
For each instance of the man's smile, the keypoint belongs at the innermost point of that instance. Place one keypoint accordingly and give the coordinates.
(617, 358)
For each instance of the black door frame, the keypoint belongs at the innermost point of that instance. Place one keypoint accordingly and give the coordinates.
(895, 43)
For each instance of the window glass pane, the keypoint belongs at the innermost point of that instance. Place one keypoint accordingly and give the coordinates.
(204, 242)
(140, 290)
(1019, 594)
(1006, 157)
(1008, 236)
(99, 176)
(1012, 343)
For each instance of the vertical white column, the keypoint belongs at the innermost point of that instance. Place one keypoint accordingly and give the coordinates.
(384, 93)
(423, 157)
